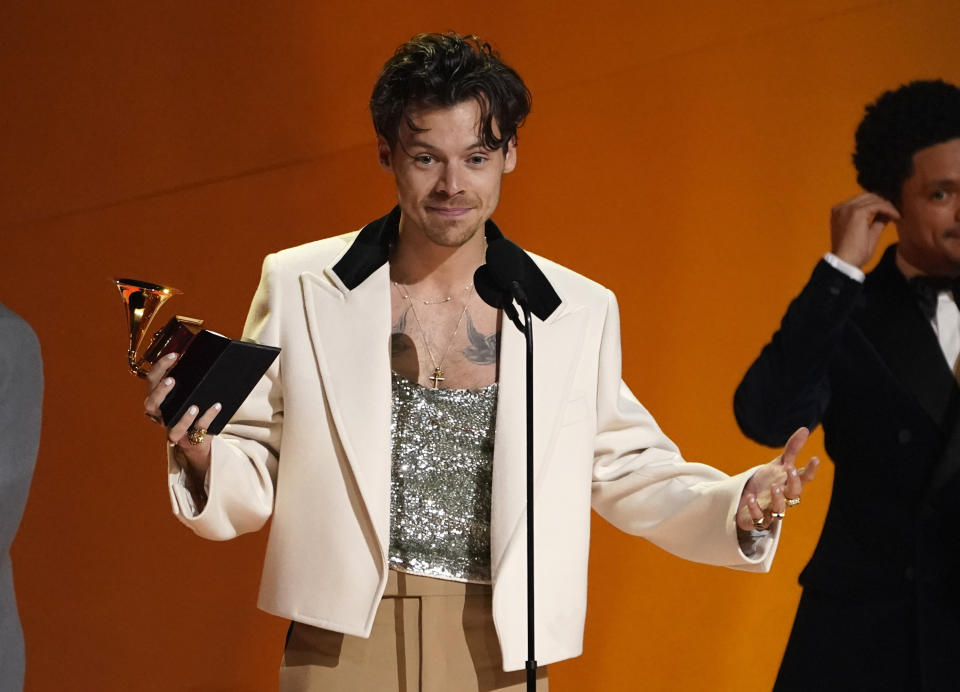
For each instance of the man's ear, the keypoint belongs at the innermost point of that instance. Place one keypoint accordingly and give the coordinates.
(384, 154)
(510, 157)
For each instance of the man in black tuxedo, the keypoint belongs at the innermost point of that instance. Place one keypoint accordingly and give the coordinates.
(874, 358)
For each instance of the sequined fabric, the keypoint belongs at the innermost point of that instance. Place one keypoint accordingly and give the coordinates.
(441, 480)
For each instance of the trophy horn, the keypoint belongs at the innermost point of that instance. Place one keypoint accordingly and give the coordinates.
(142, 300)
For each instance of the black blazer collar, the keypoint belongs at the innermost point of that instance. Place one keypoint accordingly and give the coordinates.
(371, 250)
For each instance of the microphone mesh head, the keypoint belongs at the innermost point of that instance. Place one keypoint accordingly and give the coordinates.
(488, 289)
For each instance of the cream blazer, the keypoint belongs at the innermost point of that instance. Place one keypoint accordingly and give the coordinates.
(311, 448)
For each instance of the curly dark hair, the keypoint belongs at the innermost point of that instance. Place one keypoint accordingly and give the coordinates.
(442, 70)
(897, 125)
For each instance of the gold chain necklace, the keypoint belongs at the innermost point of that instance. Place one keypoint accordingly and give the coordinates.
(437, 375)
(407, 295)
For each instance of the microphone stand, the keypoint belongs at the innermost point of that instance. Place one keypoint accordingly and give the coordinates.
(527, 328)
(497, 292)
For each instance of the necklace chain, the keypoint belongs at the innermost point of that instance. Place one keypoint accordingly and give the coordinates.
(408, 296)
(437, 375)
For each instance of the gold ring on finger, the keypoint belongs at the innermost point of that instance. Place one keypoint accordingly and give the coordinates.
(793, 501)
(195, 435)
(778, 515)
(758, 523)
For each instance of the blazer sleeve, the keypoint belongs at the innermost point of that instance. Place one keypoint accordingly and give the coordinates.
(787, 386)
(643, 486)
(239, 488)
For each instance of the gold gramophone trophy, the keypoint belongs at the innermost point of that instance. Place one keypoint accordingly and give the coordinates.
(142, 300)
(212, 368)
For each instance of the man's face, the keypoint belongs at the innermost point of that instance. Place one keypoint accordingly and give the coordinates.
(448, 184)
(929, 227)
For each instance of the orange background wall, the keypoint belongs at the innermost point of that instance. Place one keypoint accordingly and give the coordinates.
(686, 157)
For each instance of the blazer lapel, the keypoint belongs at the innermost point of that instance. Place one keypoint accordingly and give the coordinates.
(557, 347)
(949, 464)
(902, 336)
(348, 316)
(350, 332)
(893, 323)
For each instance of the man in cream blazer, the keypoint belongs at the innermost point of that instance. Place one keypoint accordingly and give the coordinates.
(311, 446)
(324, 408)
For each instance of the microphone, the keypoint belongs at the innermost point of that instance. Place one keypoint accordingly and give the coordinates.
(510, 274)
(494, 294)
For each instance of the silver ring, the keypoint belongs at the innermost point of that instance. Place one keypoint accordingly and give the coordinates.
(778, 515)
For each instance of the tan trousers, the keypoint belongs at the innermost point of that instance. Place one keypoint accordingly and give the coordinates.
(429, 635)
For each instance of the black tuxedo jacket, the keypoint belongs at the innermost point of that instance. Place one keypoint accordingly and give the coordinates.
(885, 577)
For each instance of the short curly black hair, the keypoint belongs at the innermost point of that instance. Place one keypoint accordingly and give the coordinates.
(442, 70)
(897, 125)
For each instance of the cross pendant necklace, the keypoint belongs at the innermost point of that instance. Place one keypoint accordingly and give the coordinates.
(437, 376)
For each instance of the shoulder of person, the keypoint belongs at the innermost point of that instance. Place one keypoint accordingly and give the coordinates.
(15, 333)
(310, 254)
(570, 285)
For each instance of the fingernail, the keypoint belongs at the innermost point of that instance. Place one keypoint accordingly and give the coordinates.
(167, 382)
(217, 406)
(192, 411)
(778, 491)
(793, 472)
(170, 356)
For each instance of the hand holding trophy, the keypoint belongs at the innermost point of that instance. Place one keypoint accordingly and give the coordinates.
(188, 369)
(189, 433)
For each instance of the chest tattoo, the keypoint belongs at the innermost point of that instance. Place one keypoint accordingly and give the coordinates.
(480, 349)
(400, 343)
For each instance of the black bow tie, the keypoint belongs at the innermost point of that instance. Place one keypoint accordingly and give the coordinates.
(926, 289)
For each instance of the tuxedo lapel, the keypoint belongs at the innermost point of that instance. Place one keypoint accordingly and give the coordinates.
(557, 346)
(949, 464)
(350, 332)
(892, 322)
(908, 345)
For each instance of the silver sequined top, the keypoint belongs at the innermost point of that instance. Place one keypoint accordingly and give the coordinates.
(441, 480)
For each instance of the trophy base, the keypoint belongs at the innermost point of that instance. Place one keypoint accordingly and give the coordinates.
(215, 369)
(175, 337)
